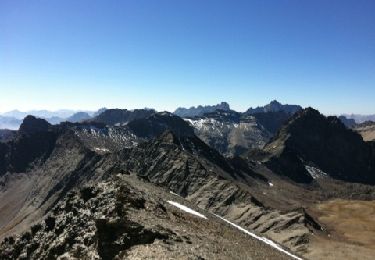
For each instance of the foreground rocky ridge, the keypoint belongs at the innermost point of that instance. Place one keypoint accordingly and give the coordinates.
(125, 218)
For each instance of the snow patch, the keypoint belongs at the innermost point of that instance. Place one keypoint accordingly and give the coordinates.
(101, 149)
(315, 172)
(171, 192)
(186, 209)
(263, 239)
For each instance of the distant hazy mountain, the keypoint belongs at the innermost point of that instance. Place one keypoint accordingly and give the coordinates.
(62, 113)
(101, 110)
(13, 119)
(78, 117)
(9, 123)
(347, 122)
(275, 106)
(360, 118)
(200, 110)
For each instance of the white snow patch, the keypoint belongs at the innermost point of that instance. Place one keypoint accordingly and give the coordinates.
(171, 192)
(315, 172)
(101, 149)
(263, 239)
(186, 209)
(271, 184)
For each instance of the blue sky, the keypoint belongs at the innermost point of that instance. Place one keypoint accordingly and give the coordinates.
(164, 54)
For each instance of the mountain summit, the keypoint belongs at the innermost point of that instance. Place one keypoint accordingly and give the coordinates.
(275, 106)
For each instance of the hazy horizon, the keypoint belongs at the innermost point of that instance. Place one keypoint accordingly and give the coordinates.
(68, 110)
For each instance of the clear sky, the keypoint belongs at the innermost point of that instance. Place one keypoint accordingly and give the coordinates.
(130, 54)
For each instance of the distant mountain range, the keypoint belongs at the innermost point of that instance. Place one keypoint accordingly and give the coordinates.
(11, 123)
(360, 118)
(13, 119)
(273, 106)
(63, 113)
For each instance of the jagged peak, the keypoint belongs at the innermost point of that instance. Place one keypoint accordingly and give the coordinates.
(31, 124)
(200, 110)
(313, 115)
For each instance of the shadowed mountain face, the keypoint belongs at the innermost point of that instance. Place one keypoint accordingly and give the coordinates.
(154, 125)
(272, 121)
(6, 135)
(310, 139)
(121, 116)
(32, 125)
(32, 144)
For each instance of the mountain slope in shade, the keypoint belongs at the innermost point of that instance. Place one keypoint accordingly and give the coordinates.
(313, 140)
(200, 110)
(157, 123)
(31, 145)
(6, 135)
(272, 121)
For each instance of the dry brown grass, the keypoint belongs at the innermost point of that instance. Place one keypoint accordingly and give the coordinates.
(368, 133)
(351, 228)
